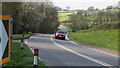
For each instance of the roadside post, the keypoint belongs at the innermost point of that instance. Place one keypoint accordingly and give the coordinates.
(22, 43)
(11, 27)
(23, 35)
(35, 58)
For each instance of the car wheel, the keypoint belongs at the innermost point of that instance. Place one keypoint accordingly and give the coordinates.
(55, 37)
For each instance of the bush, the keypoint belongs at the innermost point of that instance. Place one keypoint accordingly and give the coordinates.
(107, 26)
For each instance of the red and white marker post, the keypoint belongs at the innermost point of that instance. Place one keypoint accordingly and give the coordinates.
(36, 58)
(22, 43)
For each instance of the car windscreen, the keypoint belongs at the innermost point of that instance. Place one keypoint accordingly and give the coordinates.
(61, 32)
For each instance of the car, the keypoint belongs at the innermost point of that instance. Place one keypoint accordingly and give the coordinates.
(60, 35)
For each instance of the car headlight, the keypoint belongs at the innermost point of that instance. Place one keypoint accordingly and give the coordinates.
(56, 34)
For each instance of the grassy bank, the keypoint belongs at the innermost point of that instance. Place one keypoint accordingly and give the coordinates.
(102, 38)
(17, 36)
(22, 58)
(103, 35)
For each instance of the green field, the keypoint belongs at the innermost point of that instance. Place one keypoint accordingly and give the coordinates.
(102, 38)
(64, 15)
(22, 58)
(103, 35)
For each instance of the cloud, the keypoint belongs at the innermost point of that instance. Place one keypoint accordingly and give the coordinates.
(84, 4)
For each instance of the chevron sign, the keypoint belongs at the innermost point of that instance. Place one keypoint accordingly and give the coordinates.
(4, 39)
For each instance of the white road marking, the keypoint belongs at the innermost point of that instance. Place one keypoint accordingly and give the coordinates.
(103, 52)
(84, 56)
(31, 37)
(86, 46)
(95, 49)
(67, 37)
(91, 48)
(32, 49)
(0, 65)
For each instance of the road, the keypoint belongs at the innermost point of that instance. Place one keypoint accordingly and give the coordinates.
(0, 66)
(64, 53)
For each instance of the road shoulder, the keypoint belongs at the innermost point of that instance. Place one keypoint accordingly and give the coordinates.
(96, 48)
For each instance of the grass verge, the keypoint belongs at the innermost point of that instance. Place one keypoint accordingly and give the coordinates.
(98, 36)
(102, 38)
(19, 36)
(22, 58)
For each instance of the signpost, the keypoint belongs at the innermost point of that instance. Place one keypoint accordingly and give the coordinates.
(5, 35)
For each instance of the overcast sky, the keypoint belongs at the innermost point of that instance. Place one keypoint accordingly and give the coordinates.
(84, 4)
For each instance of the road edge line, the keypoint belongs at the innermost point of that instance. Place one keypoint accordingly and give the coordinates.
(86, 57)
(91, 48)
(31, 48)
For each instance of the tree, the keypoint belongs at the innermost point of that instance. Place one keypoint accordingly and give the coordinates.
(110, 7)
(0, 8)
(58, 8)
(91, 8)
(9, 8)
(119, 4)
(32, 16)
(67, 7)
(78, 22)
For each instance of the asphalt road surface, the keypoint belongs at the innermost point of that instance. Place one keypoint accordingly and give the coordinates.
(64, 53)
(0, 66)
